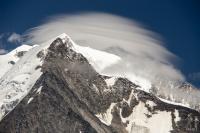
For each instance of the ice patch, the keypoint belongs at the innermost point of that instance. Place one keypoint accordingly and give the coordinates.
(95, 88)
(110, 81)
(29, 100)
(151, 104)
(106, 118)
(177, 118)
(39, 90)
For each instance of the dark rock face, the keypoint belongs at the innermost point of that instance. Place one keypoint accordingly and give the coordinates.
(20, 54)
(47, 108)
(70, 93)
(11, 62)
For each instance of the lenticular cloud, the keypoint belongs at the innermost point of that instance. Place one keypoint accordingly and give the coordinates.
(142, 53)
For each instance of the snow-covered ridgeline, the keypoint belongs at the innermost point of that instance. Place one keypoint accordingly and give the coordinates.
(19, 78)
(17, 81)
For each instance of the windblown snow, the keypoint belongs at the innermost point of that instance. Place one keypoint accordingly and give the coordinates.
(110, 81)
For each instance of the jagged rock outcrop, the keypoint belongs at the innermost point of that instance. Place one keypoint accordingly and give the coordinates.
(70, 97)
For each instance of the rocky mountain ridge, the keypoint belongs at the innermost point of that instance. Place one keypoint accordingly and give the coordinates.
(70, 96)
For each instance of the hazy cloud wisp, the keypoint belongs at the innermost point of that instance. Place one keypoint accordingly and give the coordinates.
(3, 51)
(14, 38)
(141, 50)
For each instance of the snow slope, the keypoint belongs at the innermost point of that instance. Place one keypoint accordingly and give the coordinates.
(138, 117)
(98, 59)
(5, 60)
(17, 81)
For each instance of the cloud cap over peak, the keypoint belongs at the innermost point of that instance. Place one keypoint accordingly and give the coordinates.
(142, 51)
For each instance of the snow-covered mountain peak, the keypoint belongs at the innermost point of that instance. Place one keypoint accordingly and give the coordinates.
(17, 79)
(98, 59)
(58, 85)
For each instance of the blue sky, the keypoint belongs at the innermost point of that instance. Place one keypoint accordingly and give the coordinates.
(177, 21)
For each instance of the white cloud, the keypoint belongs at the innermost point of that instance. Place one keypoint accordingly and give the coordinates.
(8, 37)
(143, 53)
(3, 51)
(14, 38)
(1, 36)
